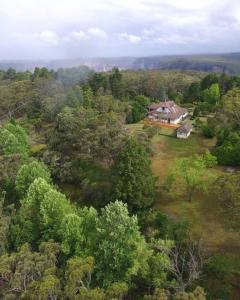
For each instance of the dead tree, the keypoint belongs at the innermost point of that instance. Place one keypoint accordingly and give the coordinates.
(186, 264)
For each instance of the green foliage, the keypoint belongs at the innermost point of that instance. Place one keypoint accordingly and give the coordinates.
(196, 112)
(42, 73)
(209, 159)
(226, 189)
(160, 294)
(134, 182)
(9, 166)
(231, 104)
(28, 173)
(158, 225)
(80, 118)
(53, 208)
(98, 81)
(211, 95)
(78, 275)
(115, 81)
(74, 97)
(193, 92)
(72, 76)
(208, 132)
(139, 109)
(5, 222)
(209, 80)
(197, 294)
(88, 133)
(220, 271)
(27, 226)
(119, 244)
(13, 139)
(190, 175)
(27, 273)
(117, 291)
(228, 146)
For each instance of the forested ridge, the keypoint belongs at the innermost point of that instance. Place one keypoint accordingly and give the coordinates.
(80, 215)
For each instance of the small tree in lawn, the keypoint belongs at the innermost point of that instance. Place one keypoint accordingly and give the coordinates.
(134, 182)
(191, 175)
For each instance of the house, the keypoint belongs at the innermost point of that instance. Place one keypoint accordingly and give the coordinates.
(184, 131)
(167, 112)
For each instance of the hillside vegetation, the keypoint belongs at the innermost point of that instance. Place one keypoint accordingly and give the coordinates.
(96, 204)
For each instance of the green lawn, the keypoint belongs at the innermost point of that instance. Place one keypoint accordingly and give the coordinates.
(203, 212)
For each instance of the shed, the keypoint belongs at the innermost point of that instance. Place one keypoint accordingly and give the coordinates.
(184, 131)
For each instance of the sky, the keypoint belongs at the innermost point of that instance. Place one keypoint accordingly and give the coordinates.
(55, 29)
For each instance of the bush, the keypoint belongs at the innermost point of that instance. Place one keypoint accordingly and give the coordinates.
(208, 131)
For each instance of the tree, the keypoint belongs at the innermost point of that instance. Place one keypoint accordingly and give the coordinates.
(162, 93)
(134, 182)
(231, 104)
(139, 108)
(191, 175)
(87, 96)
(98, 81)
(193, 92)
(208, 80)
(228, 147)
(72, 235)
(48, 287)
(214, 93)
(78, 275)
(13, 139)
(220, 275)
(211, 95)
(89, 134)
(27, 224)
(53, 208)
(28, 173)
(209, 129)
(117, 291)
(10, 74)
(6, 214)
(186, 264)
(161, 294)
(21, 272)
(120, 248)
(42, 73)
(115, 81)
(79, 232)
(227, 190)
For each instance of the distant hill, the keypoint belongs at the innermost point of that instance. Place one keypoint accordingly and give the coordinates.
(229, 63)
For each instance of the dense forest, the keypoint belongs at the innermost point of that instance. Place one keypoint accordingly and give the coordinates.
(83, 210)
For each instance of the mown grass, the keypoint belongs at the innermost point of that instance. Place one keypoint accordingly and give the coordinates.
(203, 212)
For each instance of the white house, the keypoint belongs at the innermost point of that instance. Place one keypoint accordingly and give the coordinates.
(167, 112)
(184, 131)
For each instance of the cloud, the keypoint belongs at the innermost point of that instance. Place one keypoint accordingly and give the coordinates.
(78, 35)
(131, 38)
(70, 28)
(97, 32)
(47, 36)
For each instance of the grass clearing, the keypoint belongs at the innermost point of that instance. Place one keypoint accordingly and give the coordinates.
(203, 212)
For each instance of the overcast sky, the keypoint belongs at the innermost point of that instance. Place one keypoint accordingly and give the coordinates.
(48, 29)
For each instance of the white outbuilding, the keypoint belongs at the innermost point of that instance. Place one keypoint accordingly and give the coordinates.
(184, 131)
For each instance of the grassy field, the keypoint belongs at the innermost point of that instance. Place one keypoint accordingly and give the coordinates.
(203, 212)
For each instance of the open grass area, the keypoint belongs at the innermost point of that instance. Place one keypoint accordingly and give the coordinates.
(203, 212)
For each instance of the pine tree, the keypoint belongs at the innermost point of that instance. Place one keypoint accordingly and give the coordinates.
(134, 182)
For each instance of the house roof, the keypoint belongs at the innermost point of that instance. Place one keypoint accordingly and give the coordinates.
(174, 112)
(186, 128)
